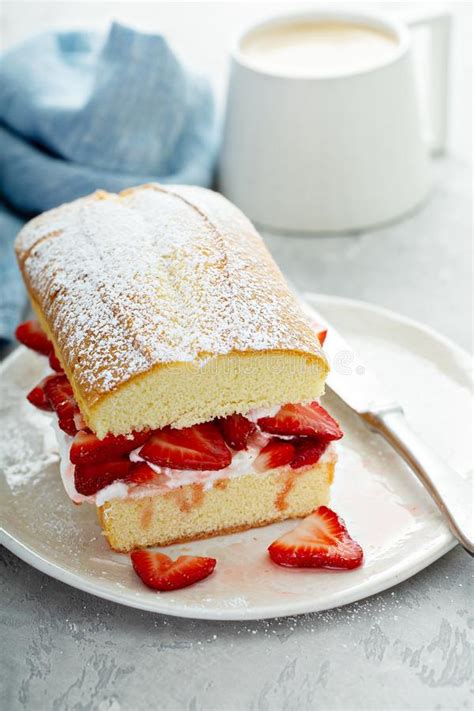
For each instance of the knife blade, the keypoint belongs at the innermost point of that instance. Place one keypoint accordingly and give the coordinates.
(358, 386)
(361, 390)
(350, 378)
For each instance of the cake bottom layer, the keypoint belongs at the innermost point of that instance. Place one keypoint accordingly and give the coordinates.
(189, 512)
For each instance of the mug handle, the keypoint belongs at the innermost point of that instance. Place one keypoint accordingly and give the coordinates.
(438, 24)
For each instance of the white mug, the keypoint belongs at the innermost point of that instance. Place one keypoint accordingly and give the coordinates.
(333, 153)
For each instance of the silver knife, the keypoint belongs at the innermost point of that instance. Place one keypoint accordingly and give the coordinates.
(360, 389)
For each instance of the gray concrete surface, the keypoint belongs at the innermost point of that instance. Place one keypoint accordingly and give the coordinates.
(408, 648)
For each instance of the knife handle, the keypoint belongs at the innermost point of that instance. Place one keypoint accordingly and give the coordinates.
(451, 492)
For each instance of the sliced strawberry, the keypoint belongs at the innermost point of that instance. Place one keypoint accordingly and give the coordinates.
(91, 478)
(275, 454)
(32, 335)
(321, 540)
(88, 449)
(302, 420)
(38, 398)
(140, 473)
(200, 447)
(236, 430)
(59, 393)
(321, 336)
(307, 451)
(54, 362)
(160, 572)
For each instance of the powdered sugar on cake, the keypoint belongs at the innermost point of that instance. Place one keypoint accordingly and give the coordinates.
(153, 276)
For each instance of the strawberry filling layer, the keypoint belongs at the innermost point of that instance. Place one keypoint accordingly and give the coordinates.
(166, 479)
(293, 436)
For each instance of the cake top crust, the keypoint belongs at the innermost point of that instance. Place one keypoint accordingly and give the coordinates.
(155, 275)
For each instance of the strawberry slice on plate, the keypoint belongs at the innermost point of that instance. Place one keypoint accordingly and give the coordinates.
(302, 420)
(159, 572)
(236, 430)
(32, 336)
(307, 451)
(38, 398)
(321, 540)
(275, 454)
(91, 478)
(86, 448)
(59, 393)
(200, 447)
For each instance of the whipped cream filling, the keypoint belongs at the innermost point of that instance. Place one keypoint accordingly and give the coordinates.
(167, 478)
(259, 412)
(242, 463)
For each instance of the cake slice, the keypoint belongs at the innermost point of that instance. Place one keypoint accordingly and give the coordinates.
(187, 376)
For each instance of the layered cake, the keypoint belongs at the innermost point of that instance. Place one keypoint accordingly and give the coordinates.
(184, 376)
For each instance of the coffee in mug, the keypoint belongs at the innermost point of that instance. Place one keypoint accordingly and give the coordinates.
(323, 129)
(325, 48)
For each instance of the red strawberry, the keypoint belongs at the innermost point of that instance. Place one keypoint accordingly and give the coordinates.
(236, 430)
(200, 447)
(307, 451)
(159, 572)
(140, 473)
(91, 478)
(38, 398)
(302, 420)
(88, 449)
(275, 454)
(321, 336)
(59, 393)
(54, 362)
(321, 540)
(32, 335)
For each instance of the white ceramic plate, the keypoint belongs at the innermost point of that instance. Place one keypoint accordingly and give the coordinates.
(385, 508)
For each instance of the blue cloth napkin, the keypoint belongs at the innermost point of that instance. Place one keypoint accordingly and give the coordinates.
(80, 111)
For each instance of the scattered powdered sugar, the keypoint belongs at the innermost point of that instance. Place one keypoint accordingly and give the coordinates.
(156, 275)
(24, 471)
(27, 452)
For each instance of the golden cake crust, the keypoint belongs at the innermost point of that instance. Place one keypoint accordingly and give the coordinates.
(157, 280)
